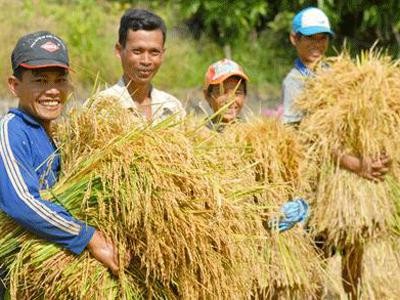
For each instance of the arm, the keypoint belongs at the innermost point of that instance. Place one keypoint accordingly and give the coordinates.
(20, 196)
(20, 199)
(374, 170)
(291, 89)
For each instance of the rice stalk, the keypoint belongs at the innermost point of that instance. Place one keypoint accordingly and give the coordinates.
(352, 106)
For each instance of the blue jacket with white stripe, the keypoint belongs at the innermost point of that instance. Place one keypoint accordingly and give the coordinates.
(29, 162)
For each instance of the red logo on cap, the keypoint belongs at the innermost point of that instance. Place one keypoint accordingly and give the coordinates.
(50, 47)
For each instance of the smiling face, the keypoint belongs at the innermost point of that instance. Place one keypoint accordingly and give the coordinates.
(141, 56)
(233, 91)
(41, 92)
(310, 48)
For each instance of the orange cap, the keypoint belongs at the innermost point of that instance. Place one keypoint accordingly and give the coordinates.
(222, 69)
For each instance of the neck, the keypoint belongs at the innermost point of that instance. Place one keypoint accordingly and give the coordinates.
(46, 124)
(47, 127)
(139, 93)
(310, 64)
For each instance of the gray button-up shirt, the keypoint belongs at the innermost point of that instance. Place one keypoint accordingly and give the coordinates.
(163, 104)
(292, 86)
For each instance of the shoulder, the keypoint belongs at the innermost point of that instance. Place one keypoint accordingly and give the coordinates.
(113, 90)
(112, 93)
(14, 133)
(13, 126)
(166, 100)
(294, 76)
(162, 96)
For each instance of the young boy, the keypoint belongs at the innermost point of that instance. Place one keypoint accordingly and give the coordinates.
(29, 161)
(225, 89)
(310, 36)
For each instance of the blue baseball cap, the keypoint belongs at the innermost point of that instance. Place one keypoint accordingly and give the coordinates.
(311, 21)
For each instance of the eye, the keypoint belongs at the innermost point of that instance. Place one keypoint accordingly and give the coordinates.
(155, 52)
(136, 51)
(40, 80)
(62, 80)
(239, 92)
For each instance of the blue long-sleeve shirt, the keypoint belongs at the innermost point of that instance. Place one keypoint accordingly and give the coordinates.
(29, 162)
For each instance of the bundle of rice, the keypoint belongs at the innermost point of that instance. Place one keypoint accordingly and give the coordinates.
(190, 232)
(273, 154)
(381, 278)
(352, 106)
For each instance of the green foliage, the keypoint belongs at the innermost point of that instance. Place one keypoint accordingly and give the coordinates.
(224, 21)
(90, 32)
(256, 31)
(364, 22)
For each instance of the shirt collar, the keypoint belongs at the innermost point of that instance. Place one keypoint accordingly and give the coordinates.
(26, 117)
(159, 103)
(302, 68)
(121, 83)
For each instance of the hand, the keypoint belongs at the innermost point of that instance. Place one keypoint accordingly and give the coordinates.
(376, 169)
(104, 250)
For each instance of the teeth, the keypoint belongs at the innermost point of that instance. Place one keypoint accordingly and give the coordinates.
(49, 103)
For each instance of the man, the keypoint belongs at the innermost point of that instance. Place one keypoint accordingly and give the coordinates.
(29, 161)
(141, 49)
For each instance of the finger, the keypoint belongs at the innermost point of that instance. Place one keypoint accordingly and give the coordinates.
(384, 170)
(377, 164)
(370, 177)
(384, 156)
(386, 160)
(378, 177)
(114, 269)
(128, 258)
(116, 258)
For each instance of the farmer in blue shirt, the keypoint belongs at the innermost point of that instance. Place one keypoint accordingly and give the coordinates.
(29, 161)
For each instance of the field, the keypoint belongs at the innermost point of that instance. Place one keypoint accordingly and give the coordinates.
(90, 32)
(92, 50)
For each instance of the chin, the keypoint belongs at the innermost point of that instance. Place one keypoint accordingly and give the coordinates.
(49, 116)
(228, 119)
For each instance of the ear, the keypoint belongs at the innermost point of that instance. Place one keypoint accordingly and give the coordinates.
(118, 48)
(293, 38)
(13, 84)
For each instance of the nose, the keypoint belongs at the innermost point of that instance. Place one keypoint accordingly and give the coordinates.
(145, 59)
(52, 91)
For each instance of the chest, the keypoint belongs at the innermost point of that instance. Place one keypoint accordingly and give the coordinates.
(45, 158)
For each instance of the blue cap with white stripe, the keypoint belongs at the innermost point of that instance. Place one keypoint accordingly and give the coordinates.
(311, 21)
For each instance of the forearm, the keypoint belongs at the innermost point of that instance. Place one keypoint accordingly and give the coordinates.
(346, 161)
(53, 224)
(21, 201)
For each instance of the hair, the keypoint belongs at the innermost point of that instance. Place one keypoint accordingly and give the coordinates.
(242, 82)
(139, 19)
(20, 70)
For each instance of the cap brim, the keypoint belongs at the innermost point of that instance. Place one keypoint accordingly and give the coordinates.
(315, 30)
(222, 78)
(39, 64)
